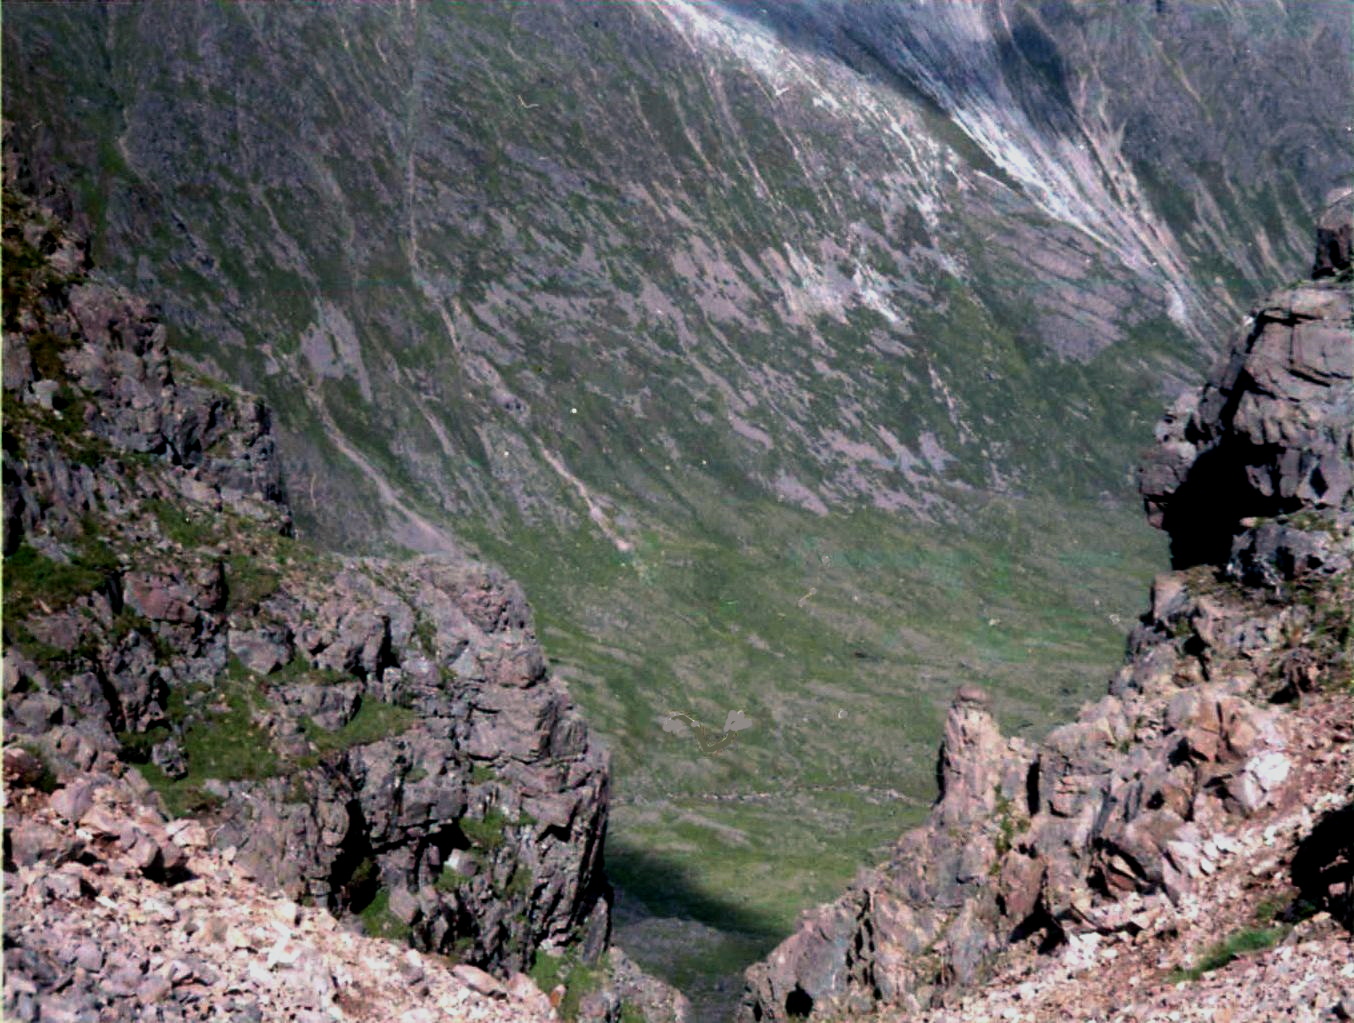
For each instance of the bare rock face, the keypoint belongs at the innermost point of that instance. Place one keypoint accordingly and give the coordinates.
(151, 922)
(1333, 231)
(380, 739)
(1107, 826)
(932, 903)
(1270, 431)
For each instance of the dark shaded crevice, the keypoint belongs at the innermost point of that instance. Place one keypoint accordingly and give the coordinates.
(442, 843)
(1206, 511)
(798, 1004)
(117, 715)
(1323, 865)
(385, 654)
(1040, 922)
(354, 878)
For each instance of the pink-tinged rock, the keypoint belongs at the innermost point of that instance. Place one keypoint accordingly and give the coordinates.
(523, 989)
(72, 801)
(142, 850)
(152, 989)
(479, 981)
(158, 598)
(21, 768)
(970, 759)
(257, 651)
(187, 833)
(556, 811)
(31, 842)
(1021, 883)
(403, 905)
(172, 856)
(898, 924)
(1258, 782)
(102, 821)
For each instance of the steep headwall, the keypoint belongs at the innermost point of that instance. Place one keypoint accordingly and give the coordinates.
(698, 191)
(1270, 432)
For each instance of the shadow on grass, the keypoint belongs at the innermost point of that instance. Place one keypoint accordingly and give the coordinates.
(667, 889)
(665, 921)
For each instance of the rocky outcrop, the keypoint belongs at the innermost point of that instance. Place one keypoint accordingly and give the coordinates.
(1107, 826)
(112, 914)
(1333, 235)
(381, 739)
(1270, 432)
(1248, 943)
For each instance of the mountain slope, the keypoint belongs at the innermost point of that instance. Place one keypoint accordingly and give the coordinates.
(1227, 726)
(793, 359)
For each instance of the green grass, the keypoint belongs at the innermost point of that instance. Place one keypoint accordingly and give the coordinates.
(482, 774)
(490, 833)
(37, 583)
(521, 882)
(425, 632)
(1250, 939)
(228, 745)
(379, 922)
(579, 979)
(449, 881)
(128, 621)
(711, 616)
(184, 529)
(248, 582)
(298, 671)
(33, 581)
(373, 722)
(1271, 909)
(221, 743)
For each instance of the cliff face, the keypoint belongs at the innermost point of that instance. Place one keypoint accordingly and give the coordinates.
(379, 739)
(1270, 432)
(116, 915)
(1230, 717)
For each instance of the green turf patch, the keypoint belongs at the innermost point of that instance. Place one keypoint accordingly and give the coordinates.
(489, 833)
(579, 979)
(373, 722)
(379, 922)
(1251, 939)
(184, 529)
(248, 582)
(220, 741)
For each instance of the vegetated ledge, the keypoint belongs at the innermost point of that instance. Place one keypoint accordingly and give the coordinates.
(379, 739)
(1076, 875)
